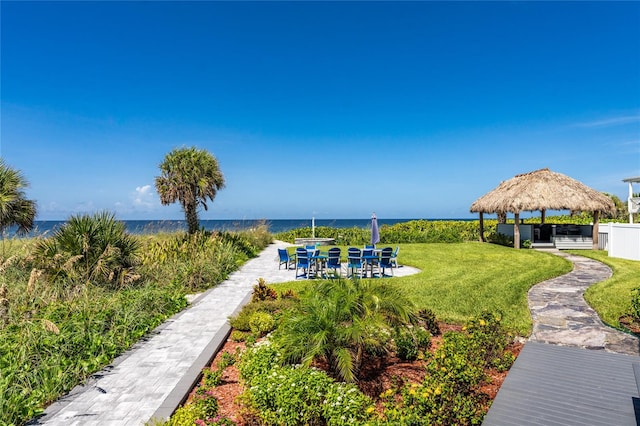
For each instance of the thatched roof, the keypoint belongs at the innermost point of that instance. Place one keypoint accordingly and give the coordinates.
(542, 190)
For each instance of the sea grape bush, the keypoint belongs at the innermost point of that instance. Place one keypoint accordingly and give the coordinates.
(422, 231)
(415, 231)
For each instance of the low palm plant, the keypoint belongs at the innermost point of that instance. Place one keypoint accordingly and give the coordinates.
(90, 249)
(341, 322)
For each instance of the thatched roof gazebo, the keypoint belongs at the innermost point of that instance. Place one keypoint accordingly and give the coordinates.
(542, 190)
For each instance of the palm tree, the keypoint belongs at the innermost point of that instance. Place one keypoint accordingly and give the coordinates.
(191, 176)
(341, 322)
(91, 248)
(15, 209)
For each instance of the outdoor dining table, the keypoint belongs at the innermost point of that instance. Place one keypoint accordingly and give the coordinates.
(369, 260)
(319, 262)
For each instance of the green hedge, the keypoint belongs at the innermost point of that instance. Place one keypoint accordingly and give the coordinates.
(414, 231)
(421, 231)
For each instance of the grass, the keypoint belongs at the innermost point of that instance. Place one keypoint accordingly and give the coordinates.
(459, 281)
(612, 298)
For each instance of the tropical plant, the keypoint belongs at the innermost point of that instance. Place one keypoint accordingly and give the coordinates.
(451, 393)
(621, 212)
(88, 249)
(197, 261)
(190, 176)
(342, 322)
(297, 395)
(15, 208)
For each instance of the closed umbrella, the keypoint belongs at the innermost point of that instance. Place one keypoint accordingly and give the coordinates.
(375, 234)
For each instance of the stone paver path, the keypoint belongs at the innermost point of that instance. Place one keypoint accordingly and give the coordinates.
(574, 370)
(152, 378)
(562, 317)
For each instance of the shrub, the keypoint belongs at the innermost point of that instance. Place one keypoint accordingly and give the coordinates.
(344, 404)
(427, 319)
(274, 307)
(635, 304)
(432, 403)
(289, 294)
(261, 323)
(414, 231)
(296, 395)
(238, 336)
(411, 341)
(258, 360)
(450, 392)
(488, 339)
(501, 239)
(203, 406)
(226, 359)
(90, 249)
(262, 291)
(212, 378)
(196, 261)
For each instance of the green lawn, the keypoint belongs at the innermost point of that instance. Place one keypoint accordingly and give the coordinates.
(612, 298)
(459, 281)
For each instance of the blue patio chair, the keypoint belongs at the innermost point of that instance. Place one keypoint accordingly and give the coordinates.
(333, 261)
(285, 259)
(385, 260)
(394, 257)
(354, 262)
(303, 262)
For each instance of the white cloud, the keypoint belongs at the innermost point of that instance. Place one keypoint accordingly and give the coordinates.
(614, 121)
(143, 196)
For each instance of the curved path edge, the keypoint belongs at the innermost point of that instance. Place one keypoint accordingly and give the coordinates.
(561, 316)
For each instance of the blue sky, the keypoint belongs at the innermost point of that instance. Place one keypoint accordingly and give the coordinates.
(328, 109)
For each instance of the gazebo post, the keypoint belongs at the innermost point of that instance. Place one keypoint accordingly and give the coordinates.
(543, 214)
(516, 232)
(481, 228)
(596, 226)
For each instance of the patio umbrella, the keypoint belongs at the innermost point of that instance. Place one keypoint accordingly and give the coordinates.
(375, 234)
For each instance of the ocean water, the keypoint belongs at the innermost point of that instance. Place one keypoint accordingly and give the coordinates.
(47, 227)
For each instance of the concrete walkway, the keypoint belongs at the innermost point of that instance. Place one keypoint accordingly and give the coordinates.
(152, 379)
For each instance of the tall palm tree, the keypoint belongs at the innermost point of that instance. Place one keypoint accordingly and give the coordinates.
(191, 176)
(15, 208)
